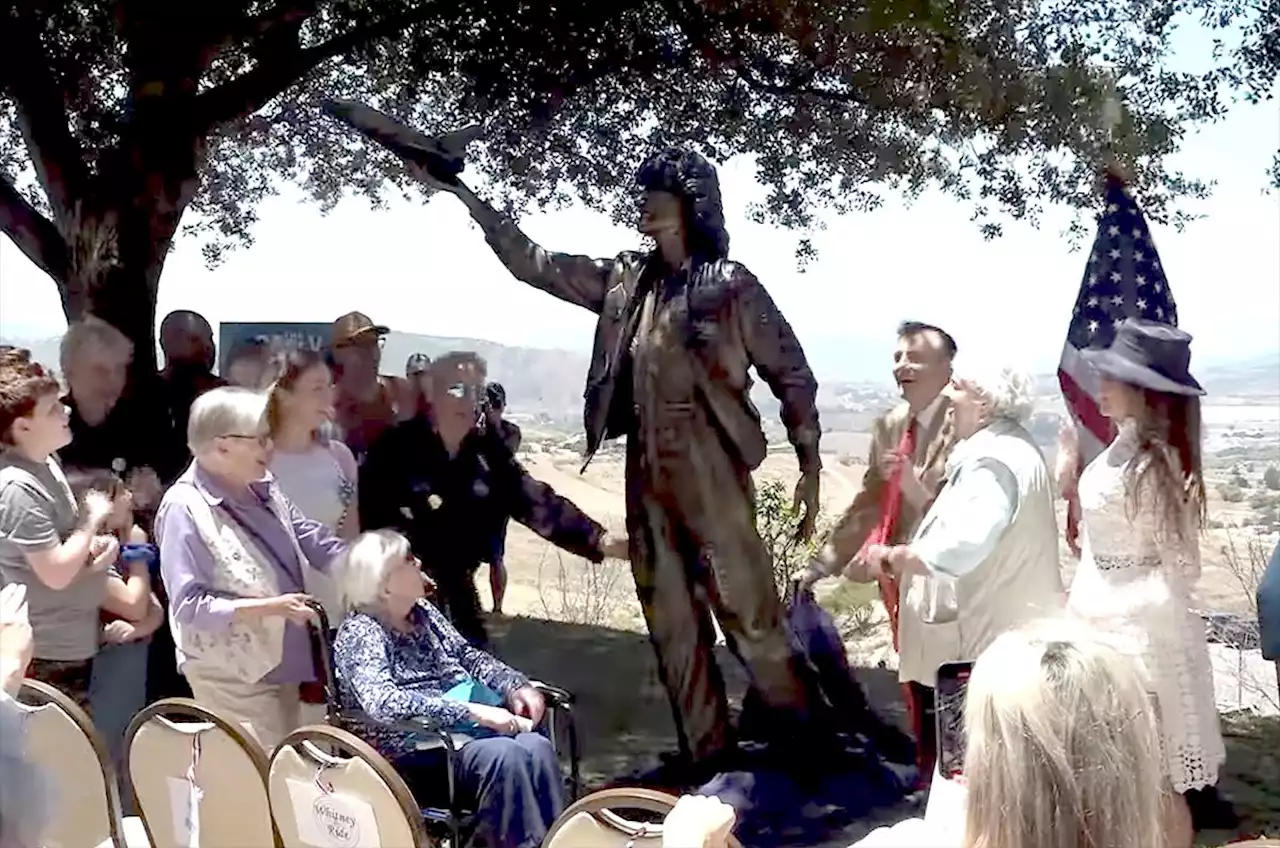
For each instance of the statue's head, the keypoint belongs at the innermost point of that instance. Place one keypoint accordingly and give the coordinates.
(679, 189)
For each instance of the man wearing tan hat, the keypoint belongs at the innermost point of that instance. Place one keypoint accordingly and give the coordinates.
(366, 403)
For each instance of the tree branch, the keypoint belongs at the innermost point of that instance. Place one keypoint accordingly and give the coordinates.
(56, 154)
(283, 16)
(692, 22)
(270, 78)
(35, 235)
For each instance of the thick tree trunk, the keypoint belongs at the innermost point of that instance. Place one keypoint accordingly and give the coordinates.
(126, 299)
(118, 252)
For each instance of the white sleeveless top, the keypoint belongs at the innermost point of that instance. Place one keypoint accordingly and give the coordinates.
(319, 487)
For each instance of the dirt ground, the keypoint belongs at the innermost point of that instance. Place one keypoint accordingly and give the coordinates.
(579, 626)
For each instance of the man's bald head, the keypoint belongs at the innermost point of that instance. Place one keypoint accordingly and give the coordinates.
(187, 339)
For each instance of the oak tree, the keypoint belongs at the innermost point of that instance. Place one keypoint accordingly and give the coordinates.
(124, 123)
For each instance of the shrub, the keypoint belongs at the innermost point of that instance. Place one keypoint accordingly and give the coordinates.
(585, 593)
(1230, 493)
(1271, 478)
(776, 522)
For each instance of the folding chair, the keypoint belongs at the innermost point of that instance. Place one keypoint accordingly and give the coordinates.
(596, 821)
(61, 739)
(174, 743)
(430, 736)
(346, 795)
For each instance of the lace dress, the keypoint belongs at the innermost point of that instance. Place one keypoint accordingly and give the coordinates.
(1135, 580)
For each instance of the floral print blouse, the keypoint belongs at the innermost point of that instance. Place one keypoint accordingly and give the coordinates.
(392, 675)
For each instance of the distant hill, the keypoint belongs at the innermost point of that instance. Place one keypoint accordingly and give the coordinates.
(548, 384)
(1258, 377)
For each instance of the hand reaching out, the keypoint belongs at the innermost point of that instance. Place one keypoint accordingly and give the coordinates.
(698, 821)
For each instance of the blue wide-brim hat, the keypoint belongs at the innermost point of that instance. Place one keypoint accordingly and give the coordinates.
(1149, 355)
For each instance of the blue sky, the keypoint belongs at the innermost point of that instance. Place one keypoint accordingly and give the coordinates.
(424, 268)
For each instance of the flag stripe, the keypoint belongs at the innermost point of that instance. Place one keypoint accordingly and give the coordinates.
(1084, 409)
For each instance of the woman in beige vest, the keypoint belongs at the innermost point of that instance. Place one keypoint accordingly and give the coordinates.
(233, 554)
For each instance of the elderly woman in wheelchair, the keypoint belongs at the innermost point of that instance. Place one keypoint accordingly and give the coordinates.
(399, 660)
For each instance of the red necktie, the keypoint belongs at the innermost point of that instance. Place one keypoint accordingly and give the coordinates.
(890, 509)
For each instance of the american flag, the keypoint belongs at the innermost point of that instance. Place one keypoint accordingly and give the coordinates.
(1124, 279)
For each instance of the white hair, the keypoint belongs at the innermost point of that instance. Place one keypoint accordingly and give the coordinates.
(225, 411)
(1063, 744)
(1007, 392)
(92, 330)
(363, 570)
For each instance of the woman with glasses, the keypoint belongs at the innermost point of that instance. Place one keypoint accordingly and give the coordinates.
(234, 552)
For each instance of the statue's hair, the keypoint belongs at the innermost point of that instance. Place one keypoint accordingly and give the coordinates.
(689, 176)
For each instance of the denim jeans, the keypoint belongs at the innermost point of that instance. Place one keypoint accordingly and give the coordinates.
(117, 691)
(513, 783)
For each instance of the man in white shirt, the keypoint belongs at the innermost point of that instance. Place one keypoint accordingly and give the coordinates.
(909, 449)
(985, 557)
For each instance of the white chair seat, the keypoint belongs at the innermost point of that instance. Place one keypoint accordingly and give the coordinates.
(135, 835)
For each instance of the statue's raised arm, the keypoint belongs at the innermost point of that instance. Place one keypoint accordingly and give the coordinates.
(438, 164)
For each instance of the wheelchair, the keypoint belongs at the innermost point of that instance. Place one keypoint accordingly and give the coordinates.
(452, 818)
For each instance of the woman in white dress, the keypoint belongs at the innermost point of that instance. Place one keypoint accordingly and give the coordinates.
(315, 472)
(1143, 504)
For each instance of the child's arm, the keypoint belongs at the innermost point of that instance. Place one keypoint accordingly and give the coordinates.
(130, 597)
(119, 631)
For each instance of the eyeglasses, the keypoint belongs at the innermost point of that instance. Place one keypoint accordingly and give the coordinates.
(262, 440)
(365, 342)
(463, 390)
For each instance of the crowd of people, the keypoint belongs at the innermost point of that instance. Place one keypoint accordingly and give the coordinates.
(169, 534)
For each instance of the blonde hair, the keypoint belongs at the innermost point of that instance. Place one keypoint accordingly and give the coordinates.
(225, 411)
(92, 330)
(363, 570)
(1063, 746)
(284, 371)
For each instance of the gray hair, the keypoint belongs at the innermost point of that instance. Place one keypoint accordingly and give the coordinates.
(92, 330)
(24, 787)
(1007, 392)
(225, 411)
(363, 570)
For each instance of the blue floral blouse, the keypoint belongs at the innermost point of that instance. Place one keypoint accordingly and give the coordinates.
(392, 675)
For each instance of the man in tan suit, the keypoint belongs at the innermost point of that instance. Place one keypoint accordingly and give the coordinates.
(895, 493)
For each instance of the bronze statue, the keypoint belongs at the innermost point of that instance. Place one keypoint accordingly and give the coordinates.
(679, 327)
